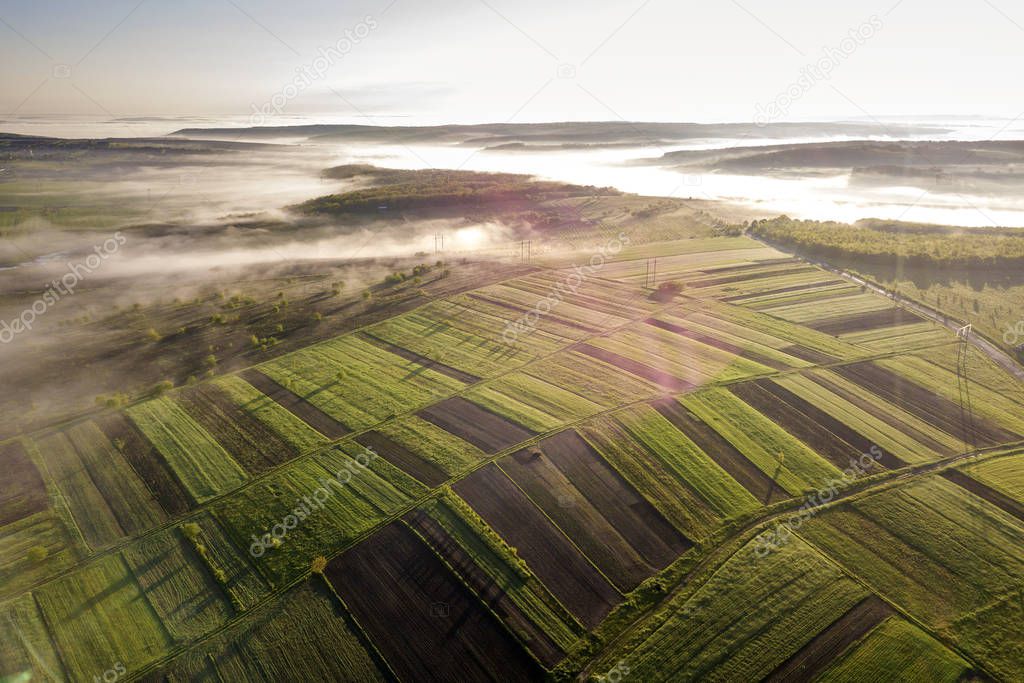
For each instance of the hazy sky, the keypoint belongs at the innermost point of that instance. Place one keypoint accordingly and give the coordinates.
(519, 60)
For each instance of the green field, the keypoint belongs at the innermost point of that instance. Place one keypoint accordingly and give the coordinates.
(451, 454)
(861, 414)
(177, 585)
(680, 456)
(646, 472)
(99, 615)
(92, 514)
(595, 380)
(747, 619)
(951, 559)
(1005, 474)
(196, 458)
(790, 463)
(467, 340)
(532, 402)
(46, 531)
(26, 652)
(290, 428)
(897, 650)
(301, 636)
(358, 383)
(351, 505)
(688, 360)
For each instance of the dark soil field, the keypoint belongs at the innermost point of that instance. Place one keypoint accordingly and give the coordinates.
(24, 492)
(860, 322)
(1000, 500)
(633, 516)
(721, 451)
(577, 517)
(717, 343)
(551, 556)
(659, 377)
(486, 589)
(918, 401)
(401, 457)
(747, 277)
(482, 428)
(814, 657)
(782, 290)
(254, 445)
(420, 360)
(877, 410)
(425, 622)
(808, 354)
(296, 405)
(147, 463)
(751, 266)
(827, 436)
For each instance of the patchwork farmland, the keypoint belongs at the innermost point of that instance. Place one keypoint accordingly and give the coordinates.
(760, 473)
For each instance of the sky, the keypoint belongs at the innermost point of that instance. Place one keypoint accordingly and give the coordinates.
(465, 61)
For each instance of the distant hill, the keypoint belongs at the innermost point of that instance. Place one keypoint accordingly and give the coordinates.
(550, 135)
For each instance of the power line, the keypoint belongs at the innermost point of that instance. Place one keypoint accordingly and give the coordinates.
(964, 386)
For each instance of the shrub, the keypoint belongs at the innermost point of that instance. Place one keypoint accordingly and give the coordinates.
(162, 387)
(38, 553)
(666, 290)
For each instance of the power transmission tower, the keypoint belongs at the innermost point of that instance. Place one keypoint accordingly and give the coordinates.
(651, 276)
(964, 385)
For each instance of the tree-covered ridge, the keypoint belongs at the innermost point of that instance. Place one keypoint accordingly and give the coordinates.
(832, 239)
(401, 189)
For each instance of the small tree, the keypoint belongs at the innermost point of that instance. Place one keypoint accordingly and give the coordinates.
(191, 530)
(38, 553)
(318, 565)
